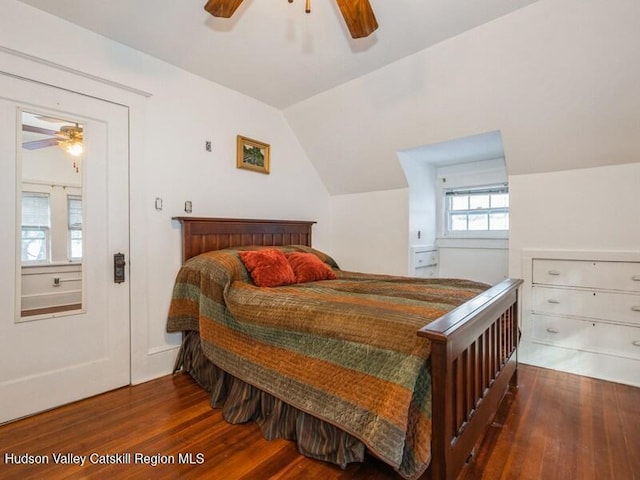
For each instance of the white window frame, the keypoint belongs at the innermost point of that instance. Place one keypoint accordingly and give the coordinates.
(449, 194)
(44, 227)
(73, 227)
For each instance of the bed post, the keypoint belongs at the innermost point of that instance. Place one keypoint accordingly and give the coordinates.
(473, 361)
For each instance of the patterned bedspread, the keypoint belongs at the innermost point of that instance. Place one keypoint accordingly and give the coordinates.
(344, 350)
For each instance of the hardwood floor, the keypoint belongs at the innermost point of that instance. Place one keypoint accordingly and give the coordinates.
(562, 426)
(555, 426)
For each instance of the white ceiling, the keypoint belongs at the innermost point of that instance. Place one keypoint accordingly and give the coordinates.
(272, 50)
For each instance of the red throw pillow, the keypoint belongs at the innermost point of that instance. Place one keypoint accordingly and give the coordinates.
(309, 268)
(268, 267)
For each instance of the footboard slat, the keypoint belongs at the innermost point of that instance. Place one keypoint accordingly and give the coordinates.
(474, 391)
(473, 358)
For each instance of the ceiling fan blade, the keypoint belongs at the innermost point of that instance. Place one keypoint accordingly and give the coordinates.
(34, 129)
(359, 17)
(36, 144)
(222, 8)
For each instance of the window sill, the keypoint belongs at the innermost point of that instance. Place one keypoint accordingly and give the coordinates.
(50, 265)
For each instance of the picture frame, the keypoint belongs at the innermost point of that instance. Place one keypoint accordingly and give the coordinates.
(253, 155)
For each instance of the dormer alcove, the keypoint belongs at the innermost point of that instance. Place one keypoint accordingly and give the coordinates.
(458, 208)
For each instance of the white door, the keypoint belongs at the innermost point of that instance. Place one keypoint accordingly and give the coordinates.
(57, 356)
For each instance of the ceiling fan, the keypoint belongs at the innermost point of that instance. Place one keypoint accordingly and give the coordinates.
(358, 14)
(67, 137)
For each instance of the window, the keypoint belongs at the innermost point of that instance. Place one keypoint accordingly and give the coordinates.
(36, 222)
(481, 211)
(74, 225)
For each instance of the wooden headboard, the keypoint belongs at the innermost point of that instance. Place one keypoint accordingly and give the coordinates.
(201, 235)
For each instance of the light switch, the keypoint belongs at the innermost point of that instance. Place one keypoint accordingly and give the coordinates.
(158, 203)
(187, 206)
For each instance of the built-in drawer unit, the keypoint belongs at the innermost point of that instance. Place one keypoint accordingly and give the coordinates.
(587, 305)
(425, 258)
(424, 261)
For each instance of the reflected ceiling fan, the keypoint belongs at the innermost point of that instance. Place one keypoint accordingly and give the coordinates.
(69, 137)
(358, 14)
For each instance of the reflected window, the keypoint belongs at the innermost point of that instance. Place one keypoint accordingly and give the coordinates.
(36, 225)
(74, 215)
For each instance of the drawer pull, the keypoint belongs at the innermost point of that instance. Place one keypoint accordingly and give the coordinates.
(636, 343)
(635, 308)
(636, 278)
(553, 300)
(554, 272)
(552, 330)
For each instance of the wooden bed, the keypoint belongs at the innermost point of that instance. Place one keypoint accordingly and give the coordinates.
(473, 351)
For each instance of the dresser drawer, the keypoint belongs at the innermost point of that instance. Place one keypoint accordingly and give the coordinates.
(618, 340)
(562, 332)
(430, 271)
(608, 306)
(425, 258)
(589, 274)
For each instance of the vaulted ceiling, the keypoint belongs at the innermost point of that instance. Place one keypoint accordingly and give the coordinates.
(272, 50)
(557, 78)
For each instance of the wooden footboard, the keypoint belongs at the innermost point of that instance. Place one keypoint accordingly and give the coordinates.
(473, 359)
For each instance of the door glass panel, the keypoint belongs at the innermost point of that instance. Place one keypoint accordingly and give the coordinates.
(50, 206)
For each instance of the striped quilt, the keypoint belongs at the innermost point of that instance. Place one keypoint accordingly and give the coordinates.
(344, 350)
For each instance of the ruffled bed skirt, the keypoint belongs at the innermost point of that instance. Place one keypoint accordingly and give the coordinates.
(241, 403)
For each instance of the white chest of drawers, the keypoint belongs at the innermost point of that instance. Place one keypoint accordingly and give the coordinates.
(582, 315)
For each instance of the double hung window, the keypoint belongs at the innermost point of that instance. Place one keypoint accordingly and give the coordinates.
(36, 226)
(477, 211)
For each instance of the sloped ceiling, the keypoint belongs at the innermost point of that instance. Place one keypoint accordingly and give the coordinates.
(270, 49)
(557, 78)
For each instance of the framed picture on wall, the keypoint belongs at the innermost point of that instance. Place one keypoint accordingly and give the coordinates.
(253, 155)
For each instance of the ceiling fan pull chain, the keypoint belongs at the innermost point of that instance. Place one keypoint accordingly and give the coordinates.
(307, 5)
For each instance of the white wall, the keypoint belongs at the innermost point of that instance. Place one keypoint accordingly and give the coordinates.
(421, 178)
(39, 291)
(368, 228)
(168, 160)
(489, 265)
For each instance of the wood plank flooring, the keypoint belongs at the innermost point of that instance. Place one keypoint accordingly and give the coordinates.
(554, 426)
